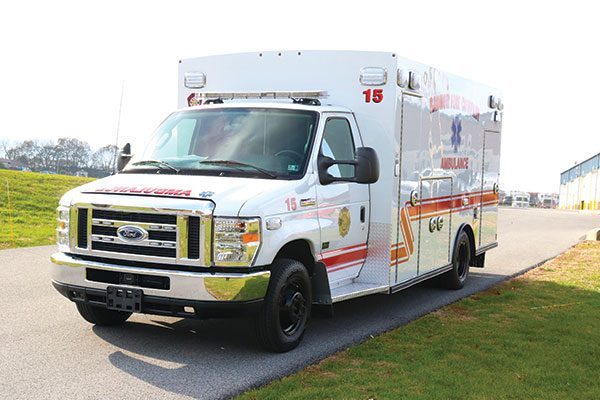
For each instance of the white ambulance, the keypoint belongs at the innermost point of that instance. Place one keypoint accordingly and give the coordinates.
(288, 180)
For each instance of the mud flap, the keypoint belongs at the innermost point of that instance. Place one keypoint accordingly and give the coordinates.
(320, 288)
(479, 261)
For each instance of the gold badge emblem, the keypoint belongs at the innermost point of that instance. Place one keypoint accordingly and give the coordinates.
(344, 221)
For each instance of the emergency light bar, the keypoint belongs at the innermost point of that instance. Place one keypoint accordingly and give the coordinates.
(260, 95)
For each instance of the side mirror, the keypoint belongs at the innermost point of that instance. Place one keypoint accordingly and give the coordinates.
(366, 167)
(124, 157)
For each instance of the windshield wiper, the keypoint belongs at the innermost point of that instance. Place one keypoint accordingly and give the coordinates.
(234, 164)
(157, 163)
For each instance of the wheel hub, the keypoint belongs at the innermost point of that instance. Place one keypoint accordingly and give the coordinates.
(292, 311)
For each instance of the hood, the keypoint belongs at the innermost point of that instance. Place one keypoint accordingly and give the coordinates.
(228, 193)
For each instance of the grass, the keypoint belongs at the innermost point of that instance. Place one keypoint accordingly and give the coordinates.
(31, 218)
(534, 337)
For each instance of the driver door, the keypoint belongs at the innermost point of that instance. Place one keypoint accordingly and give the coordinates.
(342, 206)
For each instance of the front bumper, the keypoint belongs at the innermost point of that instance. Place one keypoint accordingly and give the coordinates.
(204, 287)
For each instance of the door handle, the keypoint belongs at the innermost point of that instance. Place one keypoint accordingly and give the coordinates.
(362, 214)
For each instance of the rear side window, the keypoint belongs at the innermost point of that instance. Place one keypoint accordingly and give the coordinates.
(338, 145)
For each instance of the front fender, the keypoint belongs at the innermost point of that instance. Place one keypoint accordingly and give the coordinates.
(294, 226)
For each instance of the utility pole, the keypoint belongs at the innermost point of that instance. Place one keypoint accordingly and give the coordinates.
(118, 127)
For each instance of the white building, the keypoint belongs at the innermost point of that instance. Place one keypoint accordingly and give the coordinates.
(579, 186)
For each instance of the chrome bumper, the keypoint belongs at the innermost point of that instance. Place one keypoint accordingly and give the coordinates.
(198, 286)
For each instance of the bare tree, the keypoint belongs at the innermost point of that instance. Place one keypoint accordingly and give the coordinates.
(4, 146)
(74, 154)
(27, 153)
(49, 156)
(66, 155)
(104, 158)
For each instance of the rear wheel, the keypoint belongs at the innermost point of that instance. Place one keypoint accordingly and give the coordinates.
(101, 316)
(461, 262)
(286, 308)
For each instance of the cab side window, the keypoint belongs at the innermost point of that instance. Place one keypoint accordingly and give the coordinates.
(338, 145)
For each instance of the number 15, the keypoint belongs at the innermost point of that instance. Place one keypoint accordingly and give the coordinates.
(374, 95)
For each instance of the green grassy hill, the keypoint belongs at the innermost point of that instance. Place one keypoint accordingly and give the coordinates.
(31, 218)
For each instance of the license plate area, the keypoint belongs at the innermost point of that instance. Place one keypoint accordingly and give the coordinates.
(123, 299)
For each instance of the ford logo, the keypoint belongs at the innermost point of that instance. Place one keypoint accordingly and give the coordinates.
(131, 233)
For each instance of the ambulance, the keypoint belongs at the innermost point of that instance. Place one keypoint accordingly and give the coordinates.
(284, 182)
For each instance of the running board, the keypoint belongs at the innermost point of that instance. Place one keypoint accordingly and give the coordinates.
(353, 290)
(420, 278)
(485, 248)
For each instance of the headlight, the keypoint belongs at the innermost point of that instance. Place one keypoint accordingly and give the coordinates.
(62, 230)
(236, 241)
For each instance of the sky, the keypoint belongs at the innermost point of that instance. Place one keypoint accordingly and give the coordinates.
(64, 63)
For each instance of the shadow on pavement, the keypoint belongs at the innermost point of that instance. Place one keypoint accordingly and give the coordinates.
(191, 357)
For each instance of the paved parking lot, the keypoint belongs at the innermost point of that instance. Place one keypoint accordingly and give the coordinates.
(48, 351)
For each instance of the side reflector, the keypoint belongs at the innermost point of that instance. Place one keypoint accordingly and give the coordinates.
(373, 76)
(194, 80)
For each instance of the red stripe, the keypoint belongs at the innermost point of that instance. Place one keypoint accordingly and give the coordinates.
(433, 213)
(467, 194)
(342, 249)
(445, 206)
(345, 266)
(406, 230)
(345, 258)
(454, 197)
(398, 253)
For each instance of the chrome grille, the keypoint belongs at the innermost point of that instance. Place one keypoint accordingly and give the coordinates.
(135, 217)
(194, 238)
(130, 249)
(173, 233)
(161, 240)
(82, 222)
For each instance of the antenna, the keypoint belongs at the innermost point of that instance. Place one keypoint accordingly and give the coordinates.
(118, 127)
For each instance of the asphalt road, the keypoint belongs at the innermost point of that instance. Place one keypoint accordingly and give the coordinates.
(48, 351)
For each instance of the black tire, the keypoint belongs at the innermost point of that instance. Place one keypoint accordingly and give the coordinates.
(461, 261)
(282, 319)
(101, 316)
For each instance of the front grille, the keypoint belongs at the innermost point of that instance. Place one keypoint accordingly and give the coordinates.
(194, 238)
(82, 220)
(132, 249)
(104, 230)
(166, 236)
(140, 236)
(169, 236)
(161, 239)
(135, 217)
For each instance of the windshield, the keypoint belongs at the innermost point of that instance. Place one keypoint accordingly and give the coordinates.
(255, 142)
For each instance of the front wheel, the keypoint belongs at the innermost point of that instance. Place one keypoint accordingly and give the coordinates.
(461, 261)
(286, 308)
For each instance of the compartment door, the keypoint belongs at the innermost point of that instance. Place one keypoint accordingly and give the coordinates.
(489, 188)
(435, 216)
(405, 240)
